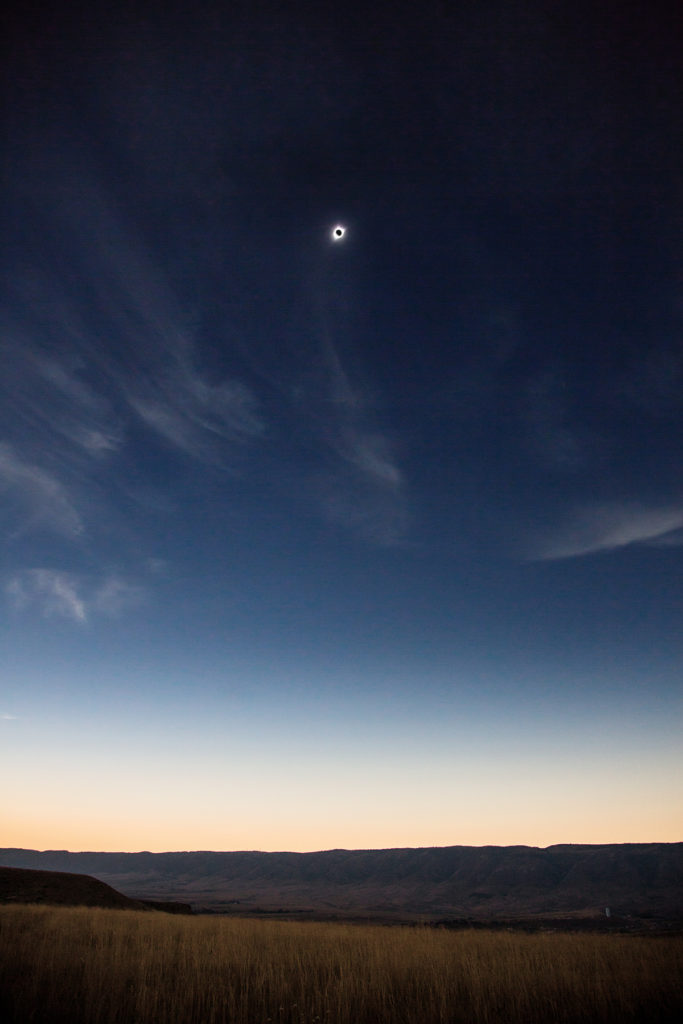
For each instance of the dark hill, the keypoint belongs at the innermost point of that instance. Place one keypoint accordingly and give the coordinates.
(640, 879)
(61, 888)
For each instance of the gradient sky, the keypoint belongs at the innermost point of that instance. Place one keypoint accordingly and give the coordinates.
(379, 542)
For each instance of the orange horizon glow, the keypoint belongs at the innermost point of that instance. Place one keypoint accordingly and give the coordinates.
(167, 838)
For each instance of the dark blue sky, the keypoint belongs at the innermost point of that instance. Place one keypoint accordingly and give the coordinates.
(356, 543)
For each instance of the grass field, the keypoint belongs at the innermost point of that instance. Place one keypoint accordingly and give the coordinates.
(98, 966)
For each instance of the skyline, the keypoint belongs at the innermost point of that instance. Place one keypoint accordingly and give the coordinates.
(367, 541)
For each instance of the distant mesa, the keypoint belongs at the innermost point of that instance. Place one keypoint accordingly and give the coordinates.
(641, 881)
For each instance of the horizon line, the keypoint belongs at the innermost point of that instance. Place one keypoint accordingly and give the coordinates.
(343, 849)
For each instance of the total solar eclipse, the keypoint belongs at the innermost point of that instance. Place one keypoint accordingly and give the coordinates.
(338, 232)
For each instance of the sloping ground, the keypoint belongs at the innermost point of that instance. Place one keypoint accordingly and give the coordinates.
(61, 888)
(645, 879)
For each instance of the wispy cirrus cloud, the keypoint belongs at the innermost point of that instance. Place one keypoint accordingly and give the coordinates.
(378, 514)
(40, 500)
(114, 596)
(107, 343)
(365, 488)
(81, 415)
(155, 367)
(607, 527)
(371, 456)
(192, 415)
(53, 593)
(46, 401)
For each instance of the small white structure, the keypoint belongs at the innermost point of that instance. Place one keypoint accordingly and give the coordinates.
(608, 912)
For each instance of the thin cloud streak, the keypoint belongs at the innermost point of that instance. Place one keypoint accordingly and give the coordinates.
(42, 500)
(370, 454)
(365, 491)
(608, 527)
(190, 414)
(51, 593)
(116, 596)
(48, 403)
(84, 418)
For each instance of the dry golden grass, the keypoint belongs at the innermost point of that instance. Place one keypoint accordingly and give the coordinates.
(80, 965)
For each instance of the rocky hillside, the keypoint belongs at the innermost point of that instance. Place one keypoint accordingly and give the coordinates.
(61, 888)
(641, 879)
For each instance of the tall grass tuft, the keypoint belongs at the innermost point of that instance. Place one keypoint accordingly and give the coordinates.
(92, 966)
